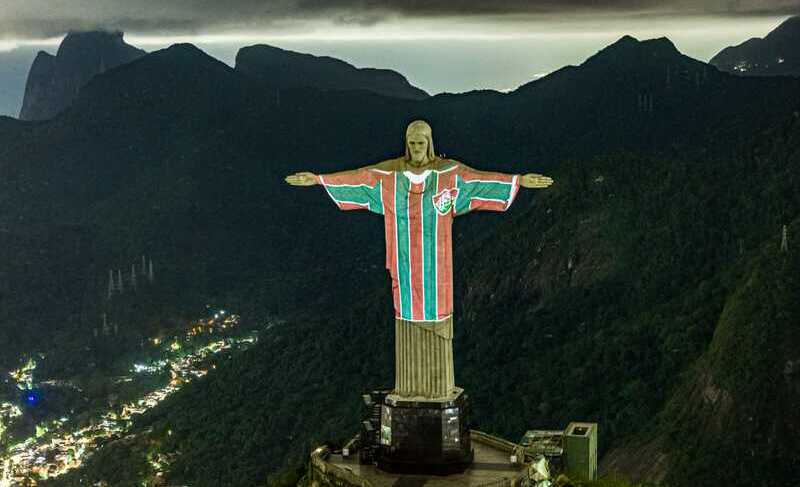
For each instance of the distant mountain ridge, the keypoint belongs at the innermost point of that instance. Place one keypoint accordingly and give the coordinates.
(778, 53)
(53, 81)
(288, 69)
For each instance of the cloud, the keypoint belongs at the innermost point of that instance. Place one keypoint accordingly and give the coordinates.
(8, 46)
(412, 8)
(36, 19)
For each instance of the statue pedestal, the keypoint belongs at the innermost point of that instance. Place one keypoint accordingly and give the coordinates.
(420, 435)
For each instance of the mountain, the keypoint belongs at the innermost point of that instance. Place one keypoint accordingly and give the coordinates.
(590, 300)
(175, 156)
(288, 69)
(670, 101)
(53, 81)
(774, 55)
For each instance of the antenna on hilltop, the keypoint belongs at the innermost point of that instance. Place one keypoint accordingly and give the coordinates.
(110, 283)
(785, 239)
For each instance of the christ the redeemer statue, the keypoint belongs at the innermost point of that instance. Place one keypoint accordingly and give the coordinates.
(418, 195)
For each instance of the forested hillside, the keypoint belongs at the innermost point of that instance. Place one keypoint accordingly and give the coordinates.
(606, 297)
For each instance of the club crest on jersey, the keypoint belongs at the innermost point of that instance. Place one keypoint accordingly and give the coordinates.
(444, 200)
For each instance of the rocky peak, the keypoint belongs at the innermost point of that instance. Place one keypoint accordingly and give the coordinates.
(53, 81)
(287, 69)
(629, 51)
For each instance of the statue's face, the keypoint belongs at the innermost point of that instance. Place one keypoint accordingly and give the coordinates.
(417, 147)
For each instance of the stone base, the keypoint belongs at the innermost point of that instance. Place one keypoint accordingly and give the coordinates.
(425, 436)
(490, 467)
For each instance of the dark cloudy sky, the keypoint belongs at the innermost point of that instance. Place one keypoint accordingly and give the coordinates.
(25, 19)
(439, 45)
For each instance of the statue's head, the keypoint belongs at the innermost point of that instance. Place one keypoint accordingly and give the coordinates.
(419, 143)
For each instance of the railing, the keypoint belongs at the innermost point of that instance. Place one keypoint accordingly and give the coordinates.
(503, 445)
(332, 474)
(494, 441)
(502, 483)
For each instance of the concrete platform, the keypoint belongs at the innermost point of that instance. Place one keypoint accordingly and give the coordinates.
(492, 467)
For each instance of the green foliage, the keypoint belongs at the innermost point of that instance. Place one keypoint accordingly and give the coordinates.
(737, 412)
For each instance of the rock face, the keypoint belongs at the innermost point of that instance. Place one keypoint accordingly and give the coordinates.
(774, 55)
(285, 69)
(53, 81)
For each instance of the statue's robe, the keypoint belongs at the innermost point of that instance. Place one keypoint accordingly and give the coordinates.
(418, 208)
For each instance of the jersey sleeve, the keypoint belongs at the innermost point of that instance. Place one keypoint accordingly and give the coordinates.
(359, 189)
(482, 190)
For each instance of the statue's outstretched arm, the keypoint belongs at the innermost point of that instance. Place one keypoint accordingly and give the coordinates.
(303, 178)
(535, 180)
(529, 180)
(306, 178)
(489, 190)
(356, 189)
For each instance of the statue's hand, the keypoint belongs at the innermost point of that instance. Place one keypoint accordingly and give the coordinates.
(533, 180)
(302, 179)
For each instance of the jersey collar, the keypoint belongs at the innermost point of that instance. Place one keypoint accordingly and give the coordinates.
(417, 178)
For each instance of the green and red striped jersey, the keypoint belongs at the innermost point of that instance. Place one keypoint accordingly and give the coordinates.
(418, 212)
